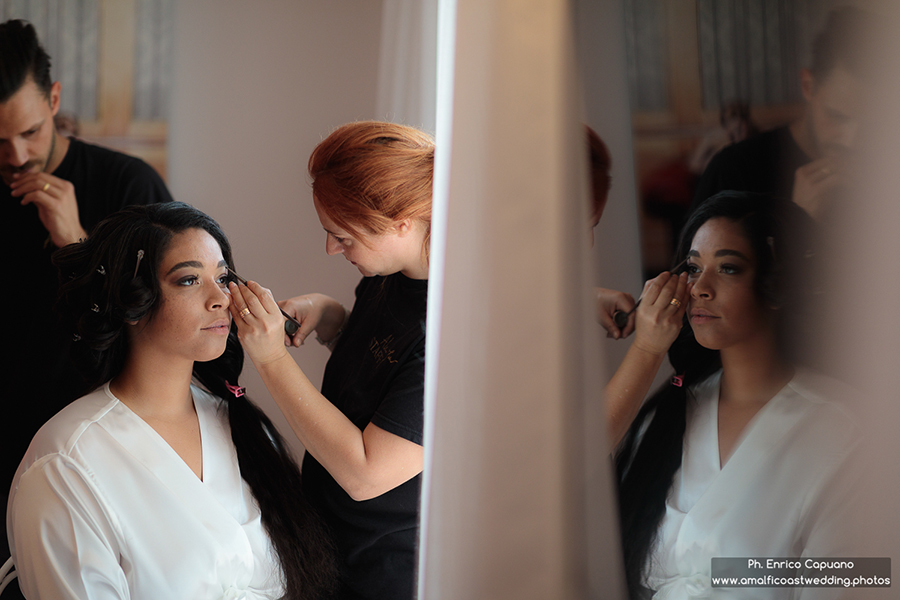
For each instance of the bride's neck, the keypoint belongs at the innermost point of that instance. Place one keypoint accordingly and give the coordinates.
(155, 391)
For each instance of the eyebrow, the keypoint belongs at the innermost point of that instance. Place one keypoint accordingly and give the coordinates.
(33, 127)
(338, 235)
(194, 263)
(720, 253)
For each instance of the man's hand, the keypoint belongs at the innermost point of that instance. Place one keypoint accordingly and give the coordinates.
(56, 204)
(814, 184)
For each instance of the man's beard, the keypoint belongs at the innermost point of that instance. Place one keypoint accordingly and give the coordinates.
(6, 173)
(826, 150)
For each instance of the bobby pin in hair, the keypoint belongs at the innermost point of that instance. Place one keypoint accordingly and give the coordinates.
(137, 266)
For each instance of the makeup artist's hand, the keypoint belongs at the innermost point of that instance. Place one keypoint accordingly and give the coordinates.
(56, 204)
(316, 312)
(261, 330)
(608, 303)
(814, 184)
(658, 319)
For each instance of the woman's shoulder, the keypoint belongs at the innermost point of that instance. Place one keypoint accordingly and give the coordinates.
(63, 432)
(395, 283)
(826, 403)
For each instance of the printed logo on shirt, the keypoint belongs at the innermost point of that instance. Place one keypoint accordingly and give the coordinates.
(382, 350)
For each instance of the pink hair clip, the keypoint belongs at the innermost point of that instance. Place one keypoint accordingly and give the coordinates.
(678, 380)
(235, 389)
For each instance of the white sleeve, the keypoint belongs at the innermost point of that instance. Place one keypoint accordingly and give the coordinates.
(829, 533)
(63, 540)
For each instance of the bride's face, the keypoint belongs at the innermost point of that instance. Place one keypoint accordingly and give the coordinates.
(724, 309)
(191, 320)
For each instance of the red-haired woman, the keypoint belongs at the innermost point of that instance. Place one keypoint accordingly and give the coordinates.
(363, 432)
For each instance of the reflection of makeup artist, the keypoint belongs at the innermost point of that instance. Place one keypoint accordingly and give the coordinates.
(363, 432)
(53, 189)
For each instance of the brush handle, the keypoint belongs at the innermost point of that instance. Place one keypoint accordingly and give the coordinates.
(620, 317)
(291, 325)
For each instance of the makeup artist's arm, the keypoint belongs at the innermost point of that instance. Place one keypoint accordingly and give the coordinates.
(657, 325)
(365, 463)
(56, 204)
(317, 313)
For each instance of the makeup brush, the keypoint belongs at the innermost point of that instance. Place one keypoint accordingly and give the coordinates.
(620, 317)
(290, 326)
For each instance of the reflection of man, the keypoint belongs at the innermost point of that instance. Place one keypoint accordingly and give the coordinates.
(806, 160)
(53, 190)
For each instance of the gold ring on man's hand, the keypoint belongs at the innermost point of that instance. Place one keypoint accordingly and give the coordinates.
(676, 302)
(244, 312)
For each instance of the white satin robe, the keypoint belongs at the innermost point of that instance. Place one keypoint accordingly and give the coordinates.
(777, 495)
(102, 507)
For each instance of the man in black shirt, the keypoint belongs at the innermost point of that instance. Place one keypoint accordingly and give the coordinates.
(806, 161)
(53, 191)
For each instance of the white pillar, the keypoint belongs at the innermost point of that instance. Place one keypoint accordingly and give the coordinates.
(513, 355)
(863, 330)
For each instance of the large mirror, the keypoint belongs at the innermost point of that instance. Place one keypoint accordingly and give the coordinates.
(703, 74)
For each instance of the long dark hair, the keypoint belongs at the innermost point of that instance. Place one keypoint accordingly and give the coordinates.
(103, 286)
(648, 459)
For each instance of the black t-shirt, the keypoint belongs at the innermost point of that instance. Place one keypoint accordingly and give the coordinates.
(764, 163)
(376, 374)
(38, 377)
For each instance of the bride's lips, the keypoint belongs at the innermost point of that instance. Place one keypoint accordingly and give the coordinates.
(700, 316)
(220, 326)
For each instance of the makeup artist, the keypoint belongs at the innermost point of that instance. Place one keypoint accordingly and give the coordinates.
(363, 432)
(53, 189)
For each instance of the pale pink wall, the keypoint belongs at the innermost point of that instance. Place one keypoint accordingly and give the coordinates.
(256, 86)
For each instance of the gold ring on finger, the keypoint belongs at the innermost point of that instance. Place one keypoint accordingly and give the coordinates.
(676, 302)
(244, 312)
(46, 187)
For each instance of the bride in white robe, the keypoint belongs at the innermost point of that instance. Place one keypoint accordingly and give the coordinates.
(755, 473)
(100, 482)
(778, 495)
(165, 481)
